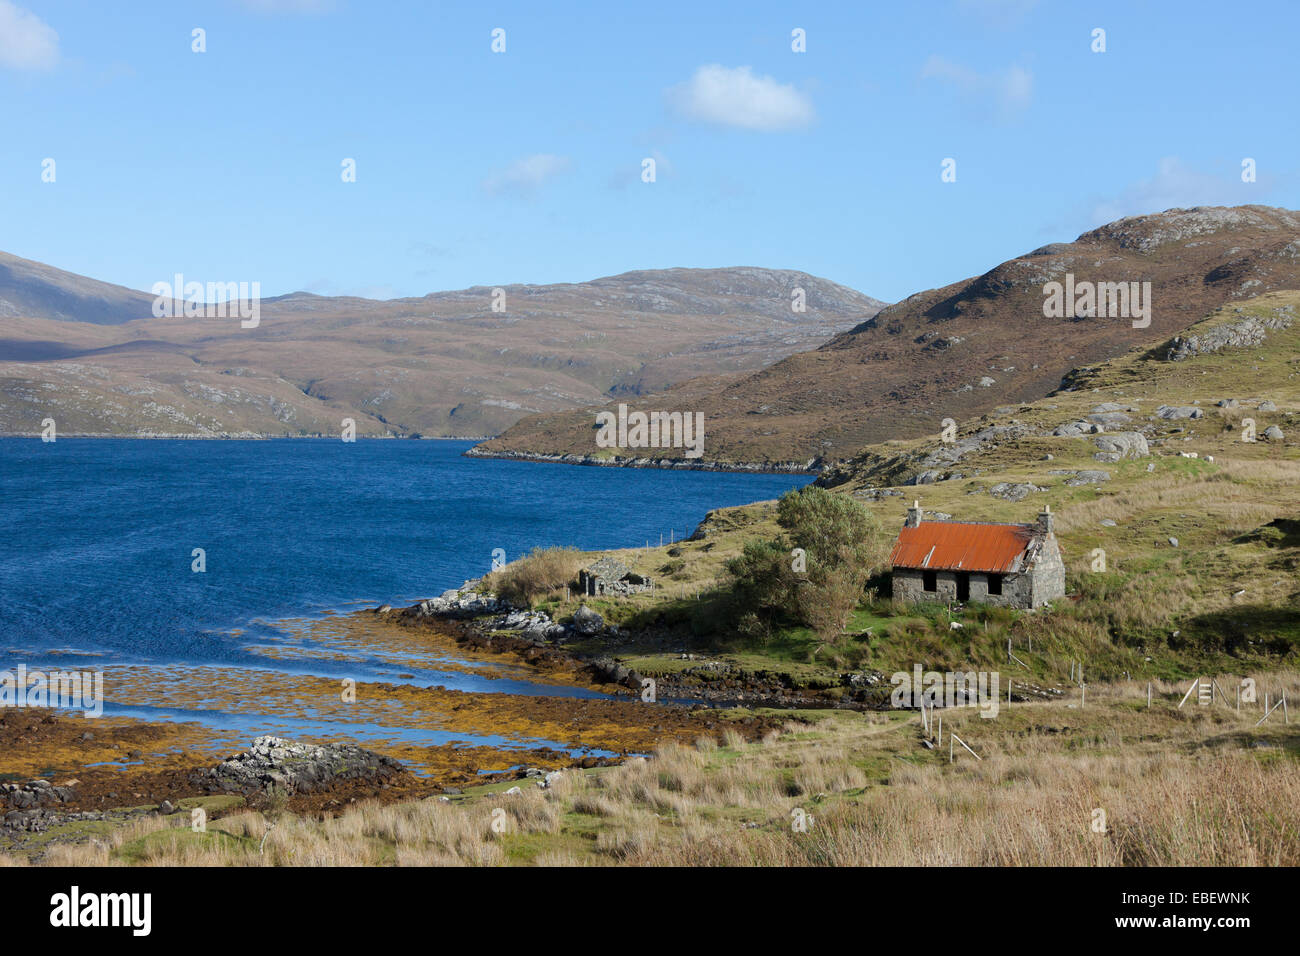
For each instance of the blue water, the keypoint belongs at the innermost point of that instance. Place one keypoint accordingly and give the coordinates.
(96, 535)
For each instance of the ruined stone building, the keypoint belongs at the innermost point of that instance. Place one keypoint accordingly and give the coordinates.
(608, 576)
(1012, 565)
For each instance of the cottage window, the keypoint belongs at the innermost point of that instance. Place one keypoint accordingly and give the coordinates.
(995, 584)
(929, 581)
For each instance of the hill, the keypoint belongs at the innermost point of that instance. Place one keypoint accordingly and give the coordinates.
(960, 350)
(1200, 529)
(34, 289)
(445, 364)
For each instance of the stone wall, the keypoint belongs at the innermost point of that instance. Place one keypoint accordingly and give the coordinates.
(1017, 589)
(1028, 589)
(1048, 575)
(594, 586)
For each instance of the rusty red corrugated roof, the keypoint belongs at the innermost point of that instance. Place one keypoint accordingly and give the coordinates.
(958, 546)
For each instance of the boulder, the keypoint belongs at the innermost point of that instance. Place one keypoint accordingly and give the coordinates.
(1013, 491)
(1074, 429)
(297, 767)
(1175, 412)
(1124, 444)
(587, 621)
(1273, 433)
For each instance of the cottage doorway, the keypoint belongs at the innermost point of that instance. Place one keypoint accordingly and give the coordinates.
(963, 586)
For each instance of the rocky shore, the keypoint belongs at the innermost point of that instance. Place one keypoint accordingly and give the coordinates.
(812, 466)
(487, 624)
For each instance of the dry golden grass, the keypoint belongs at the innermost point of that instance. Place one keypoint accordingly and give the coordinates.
(542, 572)
(1179, 787)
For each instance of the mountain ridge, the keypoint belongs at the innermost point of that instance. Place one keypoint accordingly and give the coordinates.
(960, 349)
(444, 365)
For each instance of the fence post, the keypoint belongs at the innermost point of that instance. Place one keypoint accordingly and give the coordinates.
(1148, 695)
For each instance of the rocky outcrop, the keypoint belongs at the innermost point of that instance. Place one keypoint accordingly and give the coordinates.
(1076, 429)
(1122, 445)
(1177, 412)
(1247, 332)
(916, 468)
(532, 625)
(1077, 479)
(810, 466)
(290, 767)
(609, 671)
(34, 793)
(456, 603)
(1014, 491)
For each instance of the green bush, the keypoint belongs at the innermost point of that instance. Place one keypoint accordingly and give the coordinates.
(841, 548)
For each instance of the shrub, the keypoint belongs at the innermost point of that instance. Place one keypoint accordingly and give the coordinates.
(841, 544)
(764, 589)
(831, 527)
(542, 572)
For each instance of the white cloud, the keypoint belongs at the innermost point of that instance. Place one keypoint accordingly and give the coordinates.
(26, 41)
(1009, 90)
(737, 97)
(1175, 185)
(525, 176)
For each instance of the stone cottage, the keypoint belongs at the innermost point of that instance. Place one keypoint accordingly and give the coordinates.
(608, 576)
(1012, 565)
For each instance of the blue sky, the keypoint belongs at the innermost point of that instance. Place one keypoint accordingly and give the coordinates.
(483, 168)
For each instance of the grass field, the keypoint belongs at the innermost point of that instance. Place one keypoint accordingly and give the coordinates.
(1197, 785)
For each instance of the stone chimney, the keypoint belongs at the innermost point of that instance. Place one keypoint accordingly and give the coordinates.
(1045, 520)
(913, 515)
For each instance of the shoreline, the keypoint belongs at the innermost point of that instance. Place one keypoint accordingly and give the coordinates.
(812, 467)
